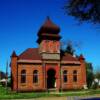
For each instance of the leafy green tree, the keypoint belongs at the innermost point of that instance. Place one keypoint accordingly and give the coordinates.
(2, 75)
(84, 10)
(89, 74)
(95, 85)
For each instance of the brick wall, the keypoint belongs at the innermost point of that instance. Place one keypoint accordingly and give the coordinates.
(81, 77)
(29, 85)
(41, 85)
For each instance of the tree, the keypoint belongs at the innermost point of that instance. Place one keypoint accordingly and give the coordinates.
(97, 74)
(89, 74)
(69, 49)
(84, 10)
(2, 75)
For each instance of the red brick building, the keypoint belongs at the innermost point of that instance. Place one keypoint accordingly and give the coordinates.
(43, 68)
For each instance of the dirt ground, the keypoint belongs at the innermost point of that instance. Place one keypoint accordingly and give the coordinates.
(52, 98)
(48, 98)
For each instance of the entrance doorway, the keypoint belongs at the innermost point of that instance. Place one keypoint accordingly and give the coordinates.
(51, 80)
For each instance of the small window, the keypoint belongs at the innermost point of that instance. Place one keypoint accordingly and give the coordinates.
(35, 76)
(23, 76)
(65, 76)
(75, 76)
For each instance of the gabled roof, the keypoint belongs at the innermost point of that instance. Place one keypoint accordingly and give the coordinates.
(68, 57)
(33, 54)
(30, 54)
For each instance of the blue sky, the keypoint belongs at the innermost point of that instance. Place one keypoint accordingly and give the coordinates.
(20, 21)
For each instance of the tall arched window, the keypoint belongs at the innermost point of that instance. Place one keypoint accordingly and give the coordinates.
(75, 76)
(35, 76)
(65, 76)
(23, 76)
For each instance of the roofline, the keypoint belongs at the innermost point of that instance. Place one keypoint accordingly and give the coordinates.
(25, 51)
(40, 61)
(70, 62)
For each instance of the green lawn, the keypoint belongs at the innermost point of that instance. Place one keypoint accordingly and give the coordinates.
(7, 94)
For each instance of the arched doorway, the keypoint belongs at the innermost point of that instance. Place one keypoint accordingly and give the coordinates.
(51, 80)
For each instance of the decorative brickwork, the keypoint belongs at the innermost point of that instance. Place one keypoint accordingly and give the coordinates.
(44, 67)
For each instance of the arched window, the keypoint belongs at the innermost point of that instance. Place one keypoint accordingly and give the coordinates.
(75, 76)
(35, 76)
(23, 76)
(65, 76)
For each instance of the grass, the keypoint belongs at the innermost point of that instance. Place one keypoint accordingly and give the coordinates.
(7, 94)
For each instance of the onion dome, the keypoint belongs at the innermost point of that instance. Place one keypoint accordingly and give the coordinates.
(48, 31)
(49, 27)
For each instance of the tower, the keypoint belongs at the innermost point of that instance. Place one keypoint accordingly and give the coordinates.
(48, 40)
(14, 71)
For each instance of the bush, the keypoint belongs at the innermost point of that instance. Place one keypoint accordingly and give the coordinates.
(95, 85)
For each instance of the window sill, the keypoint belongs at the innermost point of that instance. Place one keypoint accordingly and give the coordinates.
(36, 84)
